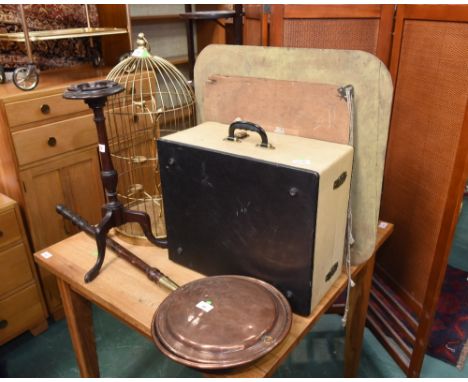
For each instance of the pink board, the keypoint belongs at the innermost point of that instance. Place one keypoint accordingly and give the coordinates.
(306, 109)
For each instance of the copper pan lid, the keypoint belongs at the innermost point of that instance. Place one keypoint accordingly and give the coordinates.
(221, 322)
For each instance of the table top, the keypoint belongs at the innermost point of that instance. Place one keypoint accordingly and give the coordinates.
(125, 292)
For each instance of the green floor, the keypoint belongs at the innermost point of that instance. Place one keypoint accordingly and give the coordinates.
(124, 353)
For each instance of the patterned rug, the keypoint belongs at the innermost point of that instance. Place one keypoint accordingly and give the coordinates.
(449, 337)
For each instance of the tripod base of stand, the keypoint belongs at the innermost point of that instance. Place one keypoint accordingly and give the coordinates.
(113, 217)
(132, 234)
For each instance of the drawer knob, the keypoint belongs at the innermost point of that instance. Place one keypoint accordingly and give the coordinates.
(52, 142)
(45, 109)
(3, 324)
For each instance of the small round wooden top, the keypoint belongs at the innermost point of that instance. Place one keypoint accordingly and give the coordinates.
(91, 90)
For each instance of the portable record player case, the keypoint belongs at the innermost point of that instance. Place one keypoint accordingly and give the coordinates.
(275, 211)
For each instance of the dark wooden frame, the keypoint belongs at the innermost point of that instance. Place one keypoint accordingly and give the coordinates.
(410, 358)
(457, 13)
(253, 14)
(114, 15)
(194, 18)
(384, 13)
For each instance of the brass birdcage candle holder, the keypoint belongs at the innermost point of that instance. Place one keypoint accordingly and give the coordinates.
(157, 101)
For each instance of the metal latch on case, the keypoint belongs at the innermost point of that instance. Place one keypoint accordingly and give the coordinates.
(340, 180)
(331, 272)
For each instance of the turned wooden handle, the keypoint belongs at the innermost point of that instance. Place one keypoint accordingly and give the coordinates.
(154, 274)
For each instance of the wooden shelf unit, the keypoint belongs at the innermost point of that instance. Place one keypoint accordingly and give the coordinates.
(59, 34)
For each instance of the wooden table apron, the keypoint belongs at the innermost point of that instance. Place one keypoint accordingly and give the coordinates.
(128, 295)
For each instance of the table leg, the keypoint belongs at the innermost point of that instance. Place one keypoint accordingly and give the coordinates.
(359, 299)
(80, 325)
(39, 328)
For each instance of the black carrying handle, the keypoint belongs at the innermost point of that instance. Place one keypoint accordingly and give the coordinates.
(250, 126)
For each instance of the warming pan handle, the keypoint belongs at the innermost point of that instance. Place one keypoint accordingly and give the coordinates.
(250, 126)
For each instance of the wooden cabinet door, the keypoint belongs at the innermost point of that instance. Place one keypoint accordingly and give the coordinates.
(256, 24)
(365, 27)
(72, 180)
(425, 174)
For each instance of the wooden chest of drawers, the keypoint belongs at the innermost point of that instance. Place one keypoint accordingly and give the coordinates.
(22, 306)
(50, 158)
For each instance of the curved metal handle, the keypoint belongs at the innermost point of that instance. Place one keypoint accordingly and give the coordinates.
(52, 141)
(45, 109)
(250, 126)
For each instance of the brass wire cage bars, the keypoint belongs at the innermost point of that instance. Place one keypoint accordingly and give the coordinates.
(157, 101)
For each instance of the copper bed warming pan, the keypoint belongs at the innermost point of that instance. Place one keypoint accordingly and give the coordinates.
(220, 322)
(213, 323)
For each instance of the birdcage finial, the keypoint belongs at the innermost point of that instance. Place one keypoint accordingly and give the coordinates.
(143, 47)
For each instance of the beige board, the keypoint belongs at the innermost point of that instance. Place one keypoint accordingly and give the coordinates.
(297, 108)
(373, 91)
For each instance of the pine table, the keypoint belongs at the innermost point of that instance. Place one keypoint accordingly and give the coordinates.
(128, 295)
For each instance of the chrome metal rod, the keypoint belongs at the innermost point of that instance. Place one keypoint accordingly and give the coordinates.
(27, 41)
